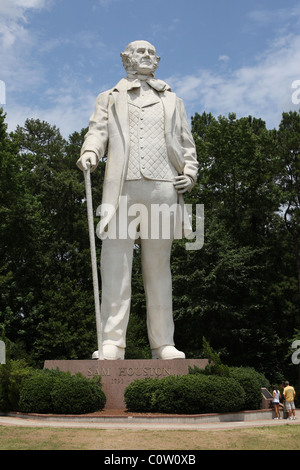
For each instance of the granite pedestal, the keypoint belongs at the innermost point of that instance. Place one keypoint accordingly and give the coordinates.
(117, 375)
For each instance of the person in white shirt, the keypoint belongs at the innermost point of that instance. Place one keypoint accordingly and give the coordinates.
(276, 401)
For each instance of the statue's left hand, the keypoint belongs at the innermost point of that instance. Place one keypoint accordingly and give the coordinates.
(183, 183)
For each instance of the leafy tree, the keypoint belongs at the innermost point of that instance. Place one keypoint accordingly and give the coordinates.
(289, 179)
(47, 303)
(240, 291)
(235, 291)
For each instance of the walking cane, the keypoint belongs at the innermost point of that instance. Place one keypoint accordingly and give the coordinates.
(89, 201)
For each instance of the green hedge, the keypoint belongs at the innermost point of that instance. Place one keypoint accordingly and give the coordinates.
(187, 394)
(238, 388)
(12, 376)
(139, 396)
(252, 382)
(53, 391)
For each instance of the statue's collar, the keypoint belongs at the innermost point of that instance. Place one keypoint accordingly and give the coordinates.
(134, 81)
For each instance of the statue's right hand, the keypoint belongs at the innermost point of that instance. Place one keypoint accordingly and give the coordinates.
(87, 158)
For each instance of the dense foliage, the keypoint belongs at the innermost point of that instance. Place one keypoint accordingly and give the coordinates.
(29, 390)
(12, 375)
(209, 390)
(53, 391)
(186, 394)
(251, 383)
(241, 290)
(250, 380)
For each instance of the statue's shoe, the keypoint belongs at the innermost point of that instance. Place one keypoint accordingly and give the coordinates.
(110, 352)
(167, 352)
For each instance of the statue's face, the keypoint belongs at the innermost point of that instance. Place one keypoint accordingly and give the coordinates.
(144, 58)
(140, 57)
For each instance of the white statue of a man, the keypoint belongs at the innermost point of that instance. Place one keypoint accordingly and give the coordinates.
(151, 159)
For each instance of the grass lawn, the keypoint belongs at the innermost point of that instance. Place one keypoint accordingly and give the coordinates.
(37, 438)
